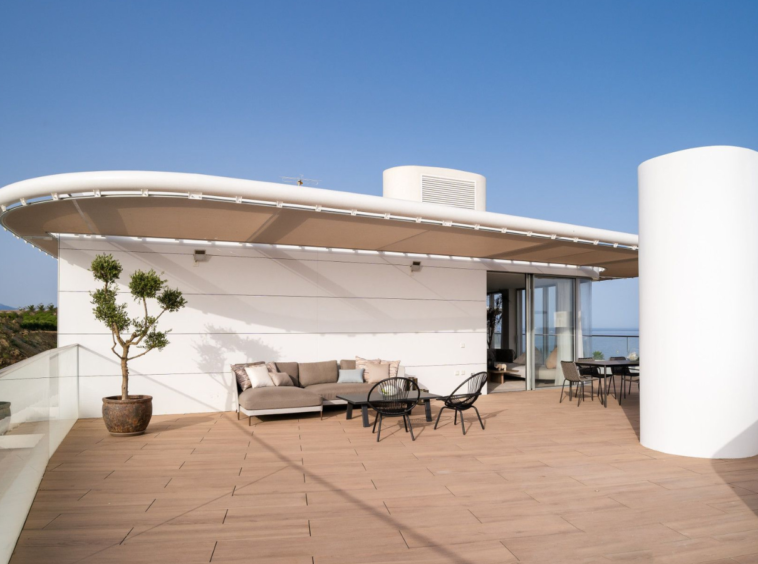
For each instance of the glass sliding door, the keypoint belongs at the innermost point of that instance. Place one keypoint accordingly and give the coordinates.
(553, 326)
(584, 318)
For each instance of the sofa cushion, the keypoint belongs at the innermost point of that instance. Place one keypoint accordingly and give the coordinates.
(281, 379)
(318, 373)
(258, 375)
(376, 372)
(552, 360)
(348, 364)
(278, 397)
(330, 391)
(291, 368)
(354, 376)
(243, 382)
(393, 364)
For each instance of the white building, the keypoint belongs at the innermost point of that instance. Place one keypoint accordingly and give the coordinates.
(306, 274)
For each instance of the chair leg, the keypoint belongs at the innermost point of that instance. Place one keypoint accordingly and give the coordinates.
(405, 423)
(238, 414)
(571, 388)
(455, 419)
(250, 421)
(379, 434)
(622, 395)
(479, 416)
(375, 420)
(563, 387)
(578, 395)
(438, 417)
(410, 426)
(463, 425)
(592, 390)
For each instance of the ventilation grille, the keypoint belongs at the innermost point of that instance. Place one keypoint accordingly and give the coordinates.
(448, 192)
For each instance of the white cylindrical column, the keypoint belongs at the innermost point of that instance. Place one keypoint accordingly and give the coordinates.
(699, 302)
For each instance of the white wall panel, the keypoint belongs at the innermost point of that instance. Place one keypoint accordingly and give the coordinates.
(392, 280)
(214, 352)
(219, 275)
(268, 303)
(207, 314)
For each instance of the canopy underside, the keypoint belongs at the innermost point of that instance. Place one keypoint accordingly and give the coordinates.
(179, 218)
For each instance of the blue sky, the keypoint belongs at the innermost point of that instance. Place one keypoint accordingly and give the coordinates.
(556, 103)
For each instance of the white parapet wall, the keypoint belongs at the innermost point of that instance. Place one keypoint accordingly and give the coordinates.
(699, 302)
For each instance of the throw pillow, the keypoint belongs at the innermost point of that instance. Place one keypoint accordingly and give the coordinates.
(394, 366)
(352, 376)
(281, 379)
(239, 373)
(552, 360)
(362, 362)
(376, 372)
(271, 367)
(520, 359)
(258, 375)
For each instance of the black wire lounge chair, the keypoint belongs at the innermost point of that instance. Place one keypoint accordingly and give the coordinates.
(394, 397)
(463, 398)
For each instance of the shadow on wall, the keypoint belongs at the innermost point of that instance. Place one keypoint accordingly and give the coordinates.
(229, 399)
(217, 355)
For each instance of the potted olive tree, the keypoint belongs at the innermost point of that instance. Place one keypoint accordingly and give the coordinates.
(127, 415)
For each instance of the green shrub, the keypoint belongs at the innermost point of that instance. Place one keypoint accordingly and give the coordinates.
(40, 321)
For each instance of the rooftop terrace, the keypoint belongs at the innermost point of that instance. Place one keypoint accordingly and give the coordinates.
(546, 482)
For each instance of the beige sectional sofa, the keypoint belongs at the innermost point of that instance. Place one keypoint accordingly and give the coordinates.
(315, 385)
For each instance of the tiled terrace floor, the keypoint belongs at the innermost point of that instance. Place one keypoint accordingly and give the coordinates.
(546, 482)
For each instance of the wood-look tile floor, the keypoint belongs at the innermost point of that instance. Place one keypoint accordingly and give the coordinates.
(544, 483)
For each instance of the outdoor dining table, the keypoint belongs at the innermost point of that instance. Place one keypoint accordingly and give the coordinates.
(605, 373)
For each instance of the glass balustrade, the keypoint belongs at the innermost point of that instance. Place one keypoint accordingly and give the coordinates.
(39, 403)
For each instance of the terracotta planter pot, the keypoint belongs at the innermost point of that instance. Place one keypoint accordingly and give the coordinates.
(126, 418)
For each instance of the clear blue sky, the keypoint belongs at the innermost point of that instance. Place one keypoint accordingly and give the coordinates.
(555, 102)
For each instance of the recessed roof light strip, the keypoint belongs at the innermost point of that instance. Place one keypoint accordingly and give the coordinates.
(191, 242)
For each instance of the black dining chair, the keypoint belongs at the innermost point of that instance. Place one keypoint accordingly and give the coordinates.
(621, 372)
(394, 397)
(463, 398)
(631, 378)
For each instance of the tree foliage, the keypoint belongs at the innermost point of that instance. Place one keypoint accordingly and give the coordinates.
(128, 332)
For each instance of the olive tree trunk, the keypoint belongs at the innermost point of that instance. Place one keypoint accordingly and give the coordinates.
(125, 374)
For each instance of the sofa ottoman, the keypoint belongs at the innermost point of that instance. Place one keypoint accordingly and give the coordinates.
(278, 399)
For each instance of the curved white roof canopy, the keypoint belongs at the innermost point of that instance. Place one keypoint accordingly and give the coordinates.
(194, 206)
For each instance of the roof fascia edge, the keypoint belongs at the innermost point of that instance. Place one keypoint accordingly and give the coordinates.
(190, 183)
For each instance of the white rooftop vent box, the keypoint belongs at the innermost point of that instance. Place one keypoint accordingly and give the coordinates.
(432, 185)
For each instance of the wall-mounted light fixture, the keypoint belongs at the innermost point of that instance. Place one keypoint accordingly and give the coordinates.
(199, 256)
(415, 266)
